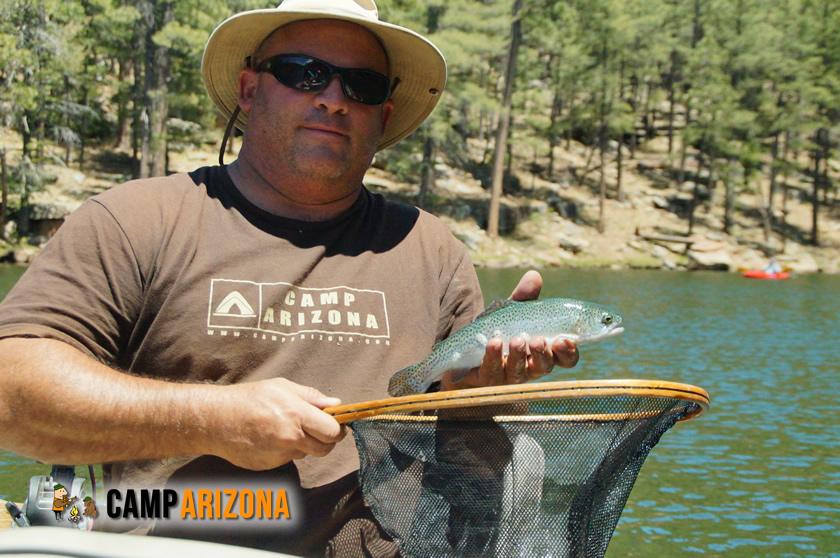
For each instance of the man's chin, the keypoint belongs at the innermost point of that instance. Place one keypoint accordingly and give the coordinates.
(321, 160)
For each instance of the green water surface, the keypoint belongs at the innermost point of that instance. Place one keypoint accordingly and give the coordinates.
(759, 475)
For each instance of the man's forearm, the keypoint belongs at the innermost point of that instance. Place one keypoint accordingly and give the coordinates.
(58, 405)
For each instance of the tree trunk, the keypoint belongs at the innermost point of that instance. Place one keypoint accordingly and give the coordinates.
(504, 121)
(784, 183)
(556, 110)
(671, 101)
(428, 182)
(602, 141)
(602, 182)
(729, 199)
(157, 63)
(815, 198)
(26, 135)
(683, 147)
(825, 182)
(83, 125)
(23, 212)
(123, 139)
(771, 194)
(567, 134)
(696, 26)
(649, 117)
(694, 196)
(137, 104)
(40, 139)
(68, 122)
(4, 200)
(508, 158)
(619, 193)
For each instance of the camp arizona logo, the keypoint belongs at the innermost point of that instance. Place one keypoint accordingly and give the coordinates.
(283, 310)
(199, 503)
(215, 505)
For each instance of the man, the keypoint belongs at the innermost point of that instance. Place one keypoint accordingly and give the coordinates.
(243, 300)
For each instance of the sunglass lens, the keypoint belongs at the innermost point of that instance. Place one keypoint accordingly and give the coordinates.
(293, 73)
(366, 87)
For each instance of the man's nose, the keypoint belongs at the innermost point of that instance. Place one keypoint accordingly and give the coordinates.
(332, 97)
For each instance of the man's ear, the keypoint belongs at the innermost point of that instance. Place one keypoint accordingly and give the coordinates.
(387, 109)
(247, 83)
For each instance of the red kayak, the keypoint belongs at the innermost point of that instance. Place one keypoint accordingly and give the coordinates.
(758, 274)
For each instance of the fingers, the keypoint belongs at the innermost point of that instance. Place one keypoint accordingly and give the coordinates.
(516, 365)
(529, 287)
(524, 362)
(272, 423)
(565, 352)
(321, 428)
(303, 410)
(311, 444)
(541, 359)
(318, 425)
(491, 372)
(313, 396)
(544, 357)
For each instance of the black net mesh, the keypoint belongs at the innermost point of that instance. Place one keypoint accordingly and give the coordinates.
(543, 478)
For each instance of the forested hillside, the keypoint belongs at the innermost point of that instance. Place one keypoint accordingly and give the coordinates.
(745, 95)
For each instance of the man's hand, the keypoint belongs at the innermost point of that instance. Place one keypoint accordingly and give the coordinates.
(273, 422)
(525, 361)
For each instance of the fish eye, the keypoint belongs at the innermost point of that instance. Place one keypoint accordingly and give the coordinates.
(608, 319)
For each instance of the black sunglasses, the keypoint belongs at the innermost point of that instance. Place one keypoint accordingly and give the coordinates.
(305, 73)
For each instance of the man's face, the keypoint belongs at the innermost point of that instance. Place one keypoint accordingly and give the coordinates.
(61, 492)
(315, 134)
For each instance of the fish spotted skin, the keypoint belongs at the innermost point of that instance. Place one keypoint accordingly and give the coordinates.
(552, 318)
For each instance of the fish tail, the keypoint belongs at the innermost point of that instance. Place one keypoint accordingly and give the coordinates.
(406, 382)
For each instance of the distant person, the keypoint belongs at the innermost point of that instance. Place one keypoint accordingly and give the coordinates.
(204, 320)
(772, 267)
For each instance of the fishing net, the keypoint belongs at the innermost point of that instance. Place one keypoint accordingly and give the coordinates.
(506, 472)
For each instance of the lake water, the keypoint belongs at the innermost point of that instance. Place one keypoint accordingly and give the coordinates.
(759, 474)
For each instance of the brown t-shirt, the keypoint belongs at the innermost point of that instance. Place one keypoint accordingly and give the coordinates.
(182, 278)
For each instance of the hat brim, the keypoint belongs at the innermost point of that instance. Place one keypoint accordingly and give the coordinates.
(416, 62)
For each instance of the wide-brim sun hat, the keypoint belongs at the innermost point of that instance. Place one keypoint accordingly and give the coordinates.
(413, 60)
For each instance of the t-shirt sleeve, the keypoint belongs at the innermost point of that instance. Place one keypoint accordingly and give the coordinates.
(85, 288)
(462, 299)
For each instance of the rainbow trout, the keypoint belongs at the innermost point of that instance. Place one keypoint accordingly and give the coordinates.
(553, 318)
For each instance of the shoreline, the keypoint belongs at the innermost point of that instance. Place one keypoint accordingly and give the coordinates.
(545, 224)
(516, 256)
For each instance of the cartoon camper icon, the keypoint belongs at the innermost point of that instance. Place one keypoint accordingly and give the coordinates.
(90, 507)
(60, 501)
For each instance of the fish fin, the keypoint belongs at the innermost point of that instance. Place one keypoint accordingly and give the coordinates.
(458, 374)
(496, 305)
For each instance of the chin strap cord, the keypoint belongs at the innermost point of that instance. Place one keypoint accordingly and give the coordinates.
(228, 131)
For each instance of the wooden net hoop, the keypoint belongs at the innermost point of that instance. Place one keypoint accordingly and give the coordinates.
(544, 391)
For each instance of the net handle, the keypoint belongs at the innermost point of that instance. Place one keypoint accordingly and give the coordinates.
(524, 392)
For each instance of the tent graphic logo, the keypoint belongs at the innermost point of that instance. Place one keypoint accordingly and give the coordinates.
(283, 311)
(234, 305)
